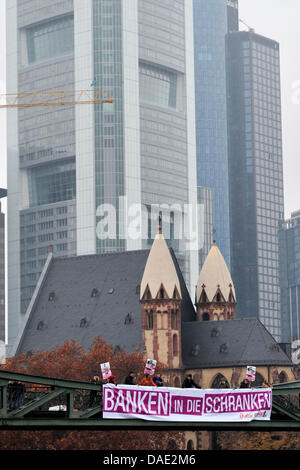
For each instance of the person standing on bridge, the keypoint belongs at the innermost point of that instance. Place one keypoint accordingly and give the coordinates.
(130, 379)
(93, 393)
(147, 381)
(189, 382)
(245, 384)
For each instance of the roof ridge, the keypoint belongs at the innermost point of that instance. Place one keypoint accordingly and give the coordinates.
(115, 253)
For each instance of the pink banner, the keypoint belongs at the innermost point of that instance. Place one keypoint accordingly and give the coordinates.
(175, 404)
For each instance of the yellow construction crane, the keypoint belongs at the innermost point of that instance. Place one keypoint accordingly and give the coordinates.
(27, 99)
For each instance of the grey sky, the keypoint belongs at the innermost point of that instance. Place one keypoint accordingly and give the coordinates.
(277, 19)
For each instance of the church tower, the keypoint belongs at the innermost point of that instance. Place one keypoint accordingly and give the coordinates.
(215, 294)
(160, 296)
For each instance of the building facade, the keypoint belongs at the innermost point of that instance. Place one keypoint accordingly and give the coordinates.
(74, 170)
(205, 222)
(289, 257)
(212, 20)
(2, 269)
(255, 174)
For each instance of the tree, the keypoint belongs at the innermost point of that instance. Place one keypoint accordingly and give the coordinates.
(70, 361)
(245, 440)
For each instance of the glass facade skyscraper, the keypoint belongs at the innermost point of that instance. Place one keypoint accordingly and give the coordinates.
(255, 174)
(289, 262)
(67, 164)
(212, 20)
(2, 270)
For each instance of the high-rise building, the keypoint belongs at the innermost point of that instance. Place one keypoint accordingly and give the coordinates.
(212, 20)
(69, 167)
(205, 223)
(2, 269)
(289, 262)
(255, 174)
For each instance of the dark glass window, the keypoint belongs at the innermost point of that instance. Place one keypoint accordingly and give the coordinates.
(50, 39)
(52, 183)
(158, 85)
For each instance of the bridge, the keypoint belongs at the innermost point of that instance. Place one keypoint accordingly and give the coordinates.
(31, 402)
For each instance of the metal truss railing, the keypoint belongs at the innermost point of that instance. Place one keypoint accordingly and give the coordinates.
(32, 402)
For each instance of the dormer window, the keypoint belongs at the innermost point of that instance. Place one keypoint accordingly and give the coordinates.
(94, 292)
(40, 326)
(128, 319)
(218, 297)
(83, 323)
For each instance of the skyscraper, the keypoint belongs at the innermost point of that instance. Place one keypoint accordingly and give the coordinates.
(67, 166)
(212, 20)
(255, 174)
(205, 221)
(289, 262)
(2, 269)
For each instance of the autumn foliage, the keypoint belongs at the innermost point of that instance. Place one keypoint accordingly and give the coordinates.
(72, 362)
(245, 440)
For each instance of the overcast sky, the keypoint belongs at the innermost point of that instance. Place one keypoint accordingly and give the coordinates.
(277, 19)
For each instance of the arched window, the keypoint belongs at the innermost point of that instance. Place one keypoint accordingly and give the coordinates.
(161, 293)
(175, 345)
(220, 382)
(205, 316)
(282, 377)
(218, 297)
(149, 318)
(190, 445)
(174, 320)
(177, 382)
(258, 380)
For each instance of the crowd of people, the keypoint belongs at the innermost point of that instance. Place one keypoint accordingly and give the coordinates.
(156, 381)
(16, 389)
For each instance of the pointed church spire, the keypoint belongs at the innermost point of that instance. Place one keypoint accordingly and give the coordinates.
(160, 271)
(215, 276)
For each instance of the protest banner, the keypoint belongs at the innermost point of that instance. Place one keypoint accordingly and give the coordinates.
(196, 405)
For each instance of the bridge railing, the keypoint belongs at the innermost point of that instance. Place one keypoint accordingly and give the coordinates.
(27, 400)
(24, 395)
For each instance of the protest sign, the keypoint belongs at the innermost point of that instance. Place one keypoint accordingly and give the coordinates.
(105, 369)
(250, 375)
(150, 366)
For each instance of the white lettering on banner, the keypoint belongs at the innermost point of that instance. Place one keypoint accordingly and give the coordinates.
(174, 404)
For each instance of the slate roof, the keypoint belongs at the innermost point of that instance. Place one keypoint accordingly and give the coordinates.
(116, 276)
(72, 280)
(228, 343)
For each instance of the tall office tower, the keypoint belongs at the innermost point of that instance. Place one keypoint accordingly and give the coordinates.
(289, 262)
(205, 221)
(212, 20)
(232, 15)
(74, 171)
(255, 174)
(2, 269)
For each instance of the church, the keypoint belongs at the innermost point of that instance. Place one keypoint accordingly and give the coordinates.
(139, 299)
